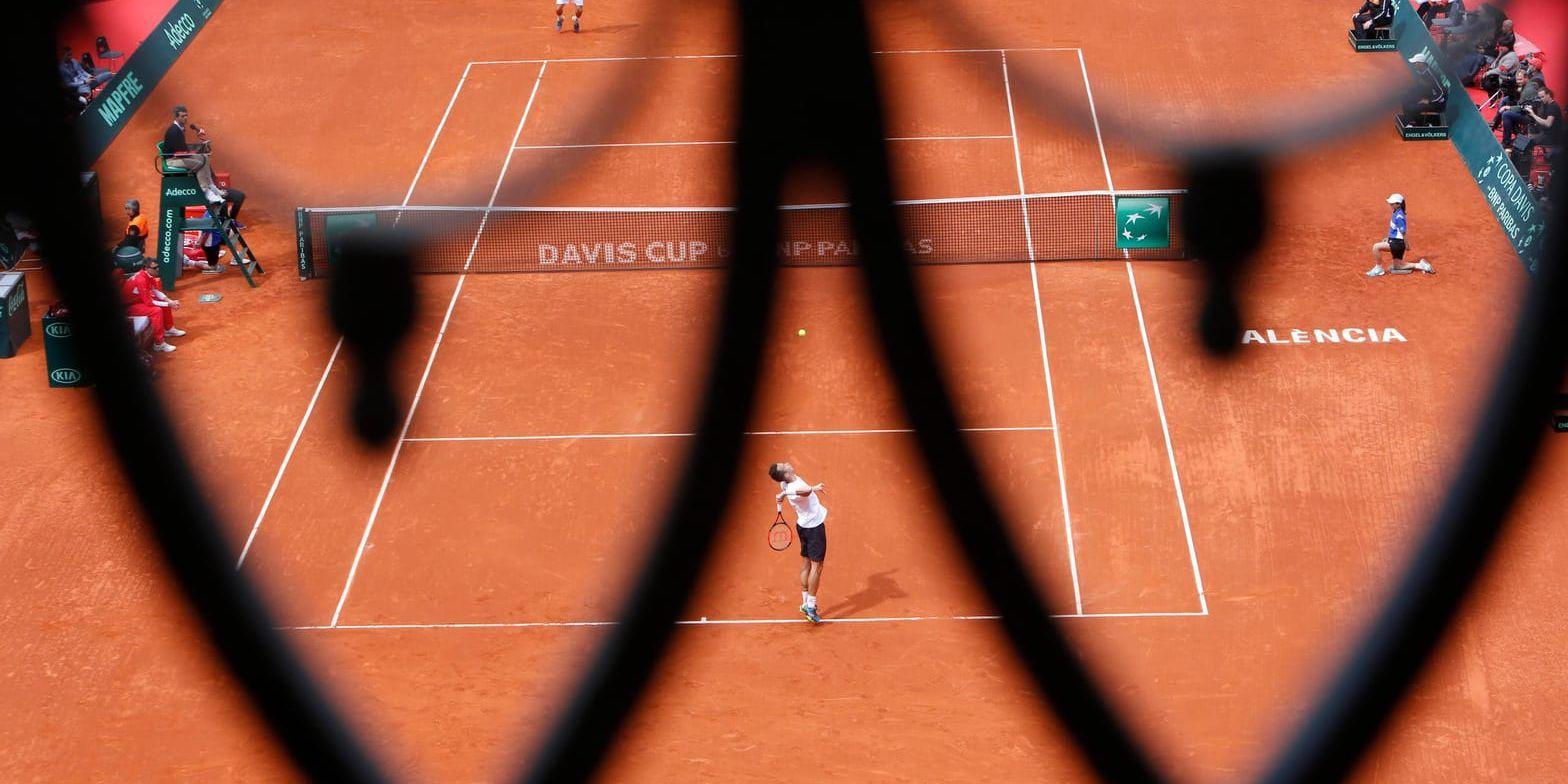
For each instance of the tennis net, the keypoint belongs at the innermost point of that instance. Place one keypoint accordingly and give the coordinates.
(1082, 225)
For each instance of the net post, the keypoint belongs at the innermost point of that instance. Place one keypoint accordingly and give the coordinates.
(302, 242)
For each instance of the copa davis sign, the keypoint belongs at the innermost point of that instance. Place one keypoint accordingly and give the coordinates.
(125, 93)
(1505, 191)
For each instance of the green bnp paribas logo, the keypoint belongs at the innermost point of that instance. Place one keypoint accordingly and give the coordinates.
(1143, 222)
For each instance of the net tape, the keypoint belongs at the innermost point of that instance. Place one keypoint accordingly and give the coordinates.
(1081, 225)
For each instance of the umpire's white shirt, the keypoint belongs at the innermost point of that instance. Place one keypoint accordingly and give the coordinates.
(809, 512)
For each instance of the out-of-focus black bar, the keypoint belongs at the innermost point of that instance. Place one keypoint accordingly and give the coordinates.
(581, 738)
(45, 181)
(971, 511)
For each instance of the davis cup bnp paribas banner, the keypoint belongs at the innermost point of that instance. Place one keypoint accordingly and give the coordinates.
(1500, 183)
(113, 107)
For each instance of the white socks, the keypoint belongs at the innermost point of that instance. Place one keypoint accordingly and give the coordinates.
(811, 602)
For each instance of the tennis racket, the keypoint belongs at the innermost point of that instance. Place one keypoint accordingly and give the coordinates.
(778, 534)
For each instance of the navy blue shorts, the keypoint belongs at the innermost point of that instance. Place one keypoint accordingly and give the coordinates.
(813, 542)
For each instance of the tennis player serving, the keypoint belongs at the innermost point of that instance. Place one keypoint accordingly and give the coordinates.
(810, 524)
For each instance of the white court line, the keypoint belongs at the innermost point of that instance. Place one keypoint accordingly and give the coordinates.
(386, 479)
(1099, 140)
(1045, 358)
(786, 207)
(626, 59)
(945, 138)
(717, 622)
(619, 144)
(731, 142)
(735, 56)
(1018, 161)
(1170, 451)
(609, 436)
(287, 456)
(1148, 353)
(437, 135)
(1094, 116)
(979, 51)
(309, 409)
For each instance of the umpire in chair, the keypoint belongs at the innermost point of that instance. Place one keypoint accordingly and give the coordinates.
(196, 157)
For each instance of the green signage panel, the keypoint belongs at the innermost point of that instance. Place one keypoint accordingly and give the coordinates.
(1143, 222)
(60, 354)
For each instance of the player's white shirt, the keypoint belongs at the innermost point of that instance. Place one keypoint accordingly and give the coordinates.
(809, 512)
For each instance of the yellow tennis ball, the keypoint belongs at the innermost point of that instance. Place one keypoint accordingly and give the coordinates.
(800, 332)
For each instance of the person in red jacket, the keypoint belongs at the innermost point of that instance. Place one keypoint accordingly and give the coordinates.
(143, 296)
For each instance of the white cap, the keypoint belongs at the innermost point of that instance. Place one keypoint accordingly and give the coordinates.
(1421, 58)
(1396, 198)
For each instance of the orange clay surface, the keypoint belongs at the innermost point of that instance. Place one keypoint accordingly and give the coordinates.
(449, 598)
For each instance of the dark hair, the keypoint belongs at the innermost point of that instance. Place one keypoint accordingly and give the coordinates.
(776, 471)
(179, 107)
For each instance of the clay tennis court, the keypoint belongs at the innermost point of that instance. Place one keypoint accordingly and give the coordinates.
(1213, 533)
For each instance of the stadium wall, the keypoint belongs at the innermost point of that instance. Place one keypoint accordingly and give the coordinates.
(1505, 191)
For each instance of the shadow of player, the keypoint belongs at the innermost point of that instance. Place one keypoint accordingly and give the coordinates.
(879, 588)
(590, 29)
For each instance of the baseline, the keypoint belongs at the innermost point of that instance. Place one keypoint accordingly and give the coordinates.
(586, 436)
(719, 622)
(636, 58)
(709, 143)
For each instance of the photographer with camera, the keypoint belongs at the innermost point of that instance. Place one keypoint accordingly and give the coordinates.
(1543, 113)
(1548, 117)
(1524, 89)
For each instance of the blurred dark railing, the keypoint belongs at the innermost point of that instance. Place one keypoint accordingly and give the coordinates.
(808, 94)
